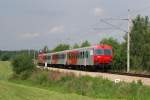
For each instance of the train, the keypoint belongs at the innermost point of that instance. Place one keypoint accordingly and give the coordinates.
(92, 57)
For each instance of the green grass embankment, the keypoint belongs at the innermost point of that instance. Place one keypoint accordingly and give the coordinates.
(5, 70)
(12, 91)
(87, 86)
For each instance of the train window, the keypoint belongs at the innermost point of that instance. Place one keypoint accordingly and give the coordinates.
(49, 57)
(80, 54)
(107, 52)
(67, 55)
(86, 54)
(59, 56)
(83, 54)
(62, 56)
(46, 57)
(99, 52)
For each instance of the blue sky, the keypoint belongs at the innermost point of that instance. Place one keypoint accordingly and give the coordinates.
(31, 24)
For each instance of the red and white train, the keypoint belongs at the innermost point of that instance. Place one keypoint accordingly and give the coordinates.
(98, 56)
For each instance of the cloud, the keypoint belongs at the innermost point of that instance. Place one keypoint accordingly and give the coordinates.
(98, 11)
(57, 29)
(29, 35)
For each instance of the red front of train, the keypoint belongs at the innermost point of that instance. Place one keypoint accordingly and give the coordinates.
(103, 55)
(41, 58)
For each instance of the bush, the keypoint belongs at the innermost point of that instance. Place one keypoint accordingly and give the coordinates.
(41, 78)
(5, 57)
(23, 66)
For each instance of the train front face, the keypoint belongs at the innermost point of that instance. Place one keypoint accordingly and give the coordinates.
(103, 55)
(41, 59)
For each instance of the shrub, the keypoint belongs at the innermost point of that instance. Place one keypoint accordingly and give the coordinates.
(41, 78)
(5, 57)
(23, 66)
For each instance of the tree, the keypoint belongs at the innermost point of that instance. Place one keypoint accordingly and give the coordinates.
(23, 66)
(76, 46)
(140, 43)
(111, 41)
(5, 57)
(85, 44)
(61, 47)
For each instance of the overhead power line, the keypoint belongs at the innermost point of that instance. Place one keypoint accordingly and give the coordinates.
(114, 26)
(139, 10)
(119, 19)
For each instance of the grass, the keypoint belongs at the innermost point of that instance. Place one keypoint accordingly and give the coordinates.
(93, 87)
(5, 70)
(13, 91)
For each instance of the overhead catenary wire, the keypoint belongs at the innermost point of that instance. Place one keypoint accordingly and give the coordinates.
(105, 20)
(114, 26)
(139, 10)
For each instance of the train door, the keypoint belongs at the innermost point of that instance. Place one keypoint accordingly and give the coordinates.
(80, 58)
(48, 59)
(89, 56)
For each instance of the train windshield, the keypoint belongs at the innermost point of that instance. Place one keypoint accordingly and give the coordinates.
(99, 52)
(107, 52)
(103, 52)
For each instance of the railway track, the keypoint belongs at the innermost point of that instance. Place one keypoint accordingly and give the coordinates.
(113, 76)
(130, 74)
(111, 72)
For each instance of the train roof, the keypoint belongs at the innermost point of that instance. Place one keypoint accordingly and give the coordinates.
(95, 46)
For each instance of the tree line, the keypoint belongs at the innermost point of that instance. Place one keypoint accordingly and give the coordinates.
(9, 55)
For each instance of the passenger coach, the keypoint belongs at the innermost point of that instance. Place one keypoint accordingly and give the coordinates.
(99, 56)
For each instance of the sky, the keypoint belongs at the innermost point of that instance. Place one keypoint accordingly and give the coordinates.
(32, 24)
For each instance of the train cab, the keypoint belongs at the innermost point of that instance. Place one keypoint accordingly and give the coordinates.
(103, 55)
